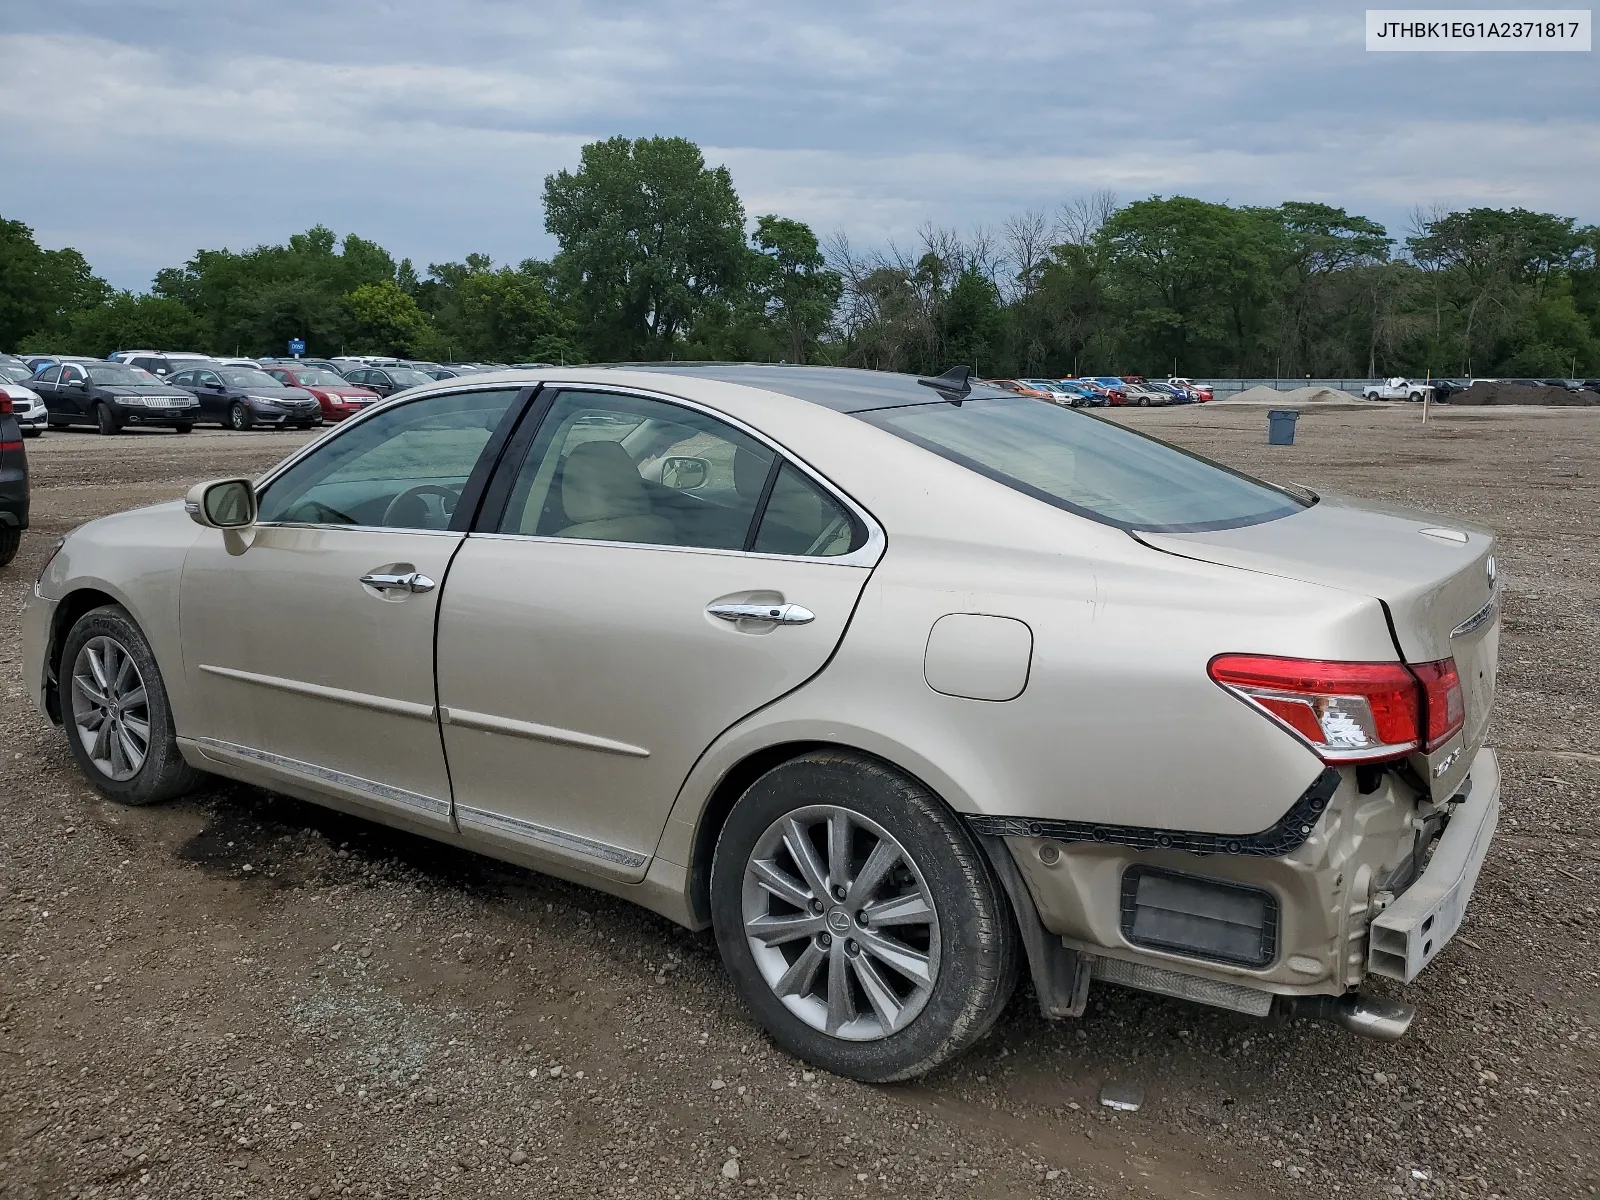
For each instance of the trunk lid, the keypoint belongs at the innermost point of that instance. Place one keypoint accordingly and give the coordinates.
(1435, 577)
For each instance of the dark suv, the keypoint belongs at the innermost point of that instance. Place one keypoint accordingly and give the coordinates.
(13, 483)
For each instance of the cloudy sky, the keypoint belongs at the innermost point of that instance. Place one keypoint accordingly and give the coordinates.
(139, 130)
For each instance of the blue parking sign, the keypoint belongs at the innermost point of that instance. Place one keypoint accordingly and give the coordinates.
(297, 346)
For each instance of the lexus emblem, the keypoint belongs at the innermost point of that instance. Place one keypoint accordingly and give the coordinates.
(1491, 571)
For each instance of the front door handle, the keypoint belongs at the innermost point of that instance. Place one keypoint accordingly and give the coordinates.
(410, 581)
(778, 614)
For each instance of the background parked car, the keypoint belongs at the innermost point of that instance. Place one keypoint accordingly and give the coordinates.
(1022, 387)
(26, 404)
(386, 381)
(111, 395)
(1116, 390)
(338, 397)
(244, 397)
(13, 483)
(1178, 395)
(1202, 391)
(1443, 389)
(1141, 394)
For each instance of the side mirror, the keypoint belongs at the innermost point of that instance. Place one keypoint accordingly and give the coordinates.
(222, 504)
(685, 474)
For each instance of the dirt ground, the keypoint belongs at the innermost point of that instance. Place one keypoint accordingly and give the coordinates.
(241, 995)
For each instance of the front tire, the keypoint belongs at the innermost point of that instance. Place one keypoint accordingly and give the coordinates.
(183, 428)
(861, 925)
(32, 433)
(117, 716)
(239, 417)
(106, 421)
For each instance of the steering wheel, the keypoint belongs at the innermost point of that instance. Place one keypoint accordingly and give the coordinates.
(447, 495)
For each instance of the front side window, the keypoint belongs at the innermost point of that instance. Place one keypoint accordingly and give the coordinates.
(400, 469)
(1087, 465)
(53, 375)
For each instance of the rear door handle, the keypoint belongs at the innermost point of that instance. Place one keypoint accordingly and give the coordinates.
(778, 614)
(410, 581)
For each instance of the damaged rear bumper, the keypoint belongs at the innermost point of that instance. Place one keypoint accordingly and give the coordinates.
(1344, 904)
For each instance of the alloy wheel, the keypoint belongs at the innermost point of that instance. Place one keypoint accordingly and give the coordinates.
(110, 708)
(841, 923)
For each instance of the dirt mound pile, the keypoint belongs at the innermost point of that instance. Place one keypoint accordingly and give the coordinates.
(1313, 396)
(1515, 393)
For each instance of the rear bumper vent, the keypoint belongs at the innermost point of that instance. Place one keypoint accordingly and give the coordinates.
(1200, 918)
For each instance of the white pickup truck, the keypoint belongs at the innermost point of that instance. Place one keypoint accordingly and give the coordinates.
(1397, 389)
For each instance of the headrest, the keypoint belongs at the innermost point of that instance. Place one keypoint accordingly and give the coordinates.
(600, 482)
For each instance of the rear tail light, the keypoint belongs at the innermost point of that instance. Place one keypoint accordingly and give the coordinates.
(1443, 705)
(1350, 712)
(5, 403)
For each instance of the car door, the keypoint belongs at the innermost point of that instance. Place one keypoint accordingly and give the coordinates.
(645, 574)
(74, 391)
(308, 637)
(48, 385)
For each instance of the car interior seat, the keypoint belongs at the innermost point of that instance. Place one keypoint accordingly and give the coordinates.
(605, 499)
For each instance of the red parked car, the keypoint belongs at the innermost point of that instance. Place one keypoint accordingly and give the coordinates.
(338, 396)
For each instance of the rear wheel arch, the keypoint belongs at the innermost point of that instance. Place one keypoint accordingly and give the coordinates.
(738, 779)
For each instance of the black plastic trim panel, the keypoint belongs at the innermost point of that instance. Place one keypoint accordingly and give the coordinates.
(1286, 836)
(1130, 909)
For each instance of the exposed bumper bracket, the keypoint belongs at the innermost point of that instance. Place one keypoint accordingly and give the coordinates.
(1060, 975)
(1406, 936)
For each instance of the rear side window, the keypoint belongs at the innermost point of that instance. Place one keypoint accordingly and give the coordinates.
(1087, 465)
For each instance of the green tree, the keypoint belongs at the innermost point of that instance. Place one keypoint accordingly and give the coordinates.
(383, 319)
(794, 285)
(1191, 278)
(127, 321)
(648, 236)
(40, 289)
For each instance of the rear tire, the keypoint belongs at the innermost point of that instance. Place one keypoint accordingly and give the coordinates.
(105, 420)
(115, 709)
(949, 914)
(239, 417)
(10, 539)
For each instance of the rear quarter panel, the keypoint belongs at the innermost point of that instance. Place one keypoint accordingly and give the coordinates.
(1119, 721)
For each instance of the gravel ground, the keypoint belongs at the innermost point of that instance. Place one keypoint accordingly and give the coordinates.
(243, 995)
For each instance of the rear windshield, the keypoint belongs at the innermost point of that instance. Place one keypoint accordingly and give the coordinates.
(1088, 465)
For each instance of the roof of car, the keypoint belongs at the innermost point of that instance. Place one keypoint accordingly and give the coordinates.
(842, 389)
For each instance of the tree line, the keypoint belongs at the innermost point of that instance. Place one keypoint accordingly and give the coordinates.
(656, 259)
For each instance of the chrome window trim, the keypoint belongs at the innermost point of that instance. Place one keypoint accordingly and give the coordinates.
(358, 528)
(867, 554)
(846, 560)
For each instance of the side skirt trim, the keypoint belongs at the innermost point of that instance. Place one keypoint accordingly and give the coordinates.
(558, 839)
(398, 708)
(1286, 836)
(312, 773)
(488, 723)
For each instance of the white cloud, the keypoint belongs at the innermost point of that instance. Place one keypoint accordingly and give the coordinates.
(430, 128)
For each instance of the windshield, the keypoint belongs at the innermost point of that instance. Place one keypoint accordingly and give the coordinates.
(1087, 465)
(317, 377)
(248, 377)
(405, 377)
(15, 374)
(121, 375)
